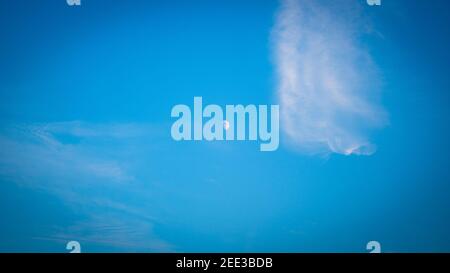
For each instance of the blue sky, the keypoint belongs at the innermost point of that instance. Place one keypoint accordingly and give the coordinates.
(85, 146)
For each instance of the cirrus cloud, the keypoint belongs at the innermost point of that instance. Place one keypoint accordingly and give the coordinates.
(328, 86)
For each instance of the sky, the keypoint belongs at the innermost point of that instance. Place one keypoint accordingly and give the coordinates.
(86, 153)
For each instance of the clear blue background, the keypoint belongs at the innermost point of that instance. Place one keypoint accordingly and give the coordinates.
(131, 61)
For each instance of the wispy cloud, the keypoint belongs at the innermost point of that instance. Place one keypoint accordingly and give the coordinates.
(41, 150)
(87, 166)
(113, 230)
(328, 87)
(86, 129)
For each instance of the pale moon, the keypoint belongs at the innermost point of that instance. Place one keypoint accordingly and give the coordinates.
(226, 125)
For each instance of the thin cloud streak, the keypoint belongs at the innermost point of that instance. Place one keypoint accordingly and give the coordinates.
(86, 165)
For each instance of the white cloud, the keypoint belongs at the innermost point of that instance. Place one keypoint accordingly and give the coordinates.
(113, 230)
(35, 152)
(87, 165)
(328, 87)
(111, 130)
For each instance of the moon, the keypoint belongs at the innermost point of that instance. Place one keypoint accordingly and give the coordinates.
(226, 125)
